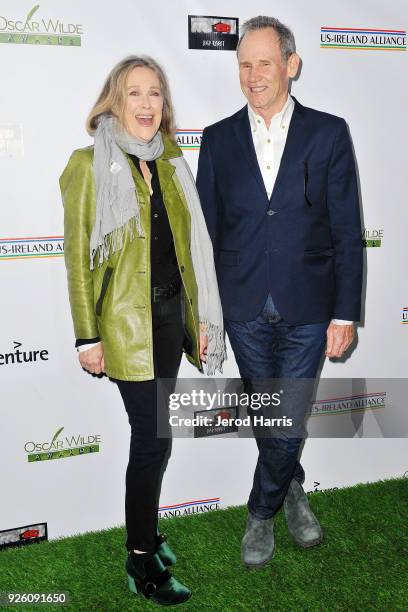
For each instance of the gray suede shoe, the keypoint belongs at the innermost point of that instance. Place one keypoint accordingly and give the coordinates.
(258, 542)
(302, 523)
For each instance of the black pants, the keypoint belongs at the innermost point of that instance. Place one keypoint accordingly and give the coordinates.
(149, 454)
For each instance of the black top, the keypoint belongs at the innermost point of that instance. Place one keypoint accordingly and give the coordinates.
(163, 260)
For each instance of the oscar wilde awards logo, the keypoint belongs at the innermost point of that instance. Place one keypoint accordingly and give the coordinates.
(189, 140)
(34, 29)
(197, 506)
(213, 33)
(61, 448)
(371, 39)
(373, 238)
(32, 247)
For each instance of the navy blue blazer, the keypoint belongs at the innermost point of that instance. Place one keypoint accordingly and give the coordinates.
(304, 244)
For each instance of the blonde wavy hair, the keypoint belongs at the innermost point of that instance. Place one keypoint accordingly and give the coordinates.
(112, 99)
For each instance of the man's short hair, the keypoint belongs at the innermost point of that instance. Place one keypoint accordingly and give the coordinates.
(285, 35)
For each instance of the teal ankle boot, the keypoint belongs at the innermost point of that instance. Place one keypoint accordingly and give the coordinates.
(147, 575)
(164, 551)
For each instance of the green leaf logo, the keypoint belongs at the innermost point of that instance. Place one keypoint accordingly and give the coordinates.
(56, 435)
(31, 13)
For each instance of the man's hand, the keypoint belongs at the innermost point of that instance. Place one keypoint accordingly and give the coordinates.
(93, 360)
(339, 338)
(203, 346)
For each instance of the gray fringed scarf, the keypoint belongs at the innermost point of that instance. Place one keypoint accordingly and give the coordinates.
(117, 209)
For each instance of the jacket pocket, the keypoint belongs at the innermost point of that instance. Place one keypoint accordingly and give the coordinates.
(319, 251)
(105, 283)
(228, 258)
(315, 254)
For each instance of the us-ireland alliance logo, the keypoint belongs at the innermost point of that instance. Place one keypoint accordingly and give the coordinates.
(189, 140)
(371, 39)
(32, 247)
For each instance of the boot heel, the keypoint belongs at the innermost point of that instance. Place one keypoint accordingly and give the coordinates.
(132, 584)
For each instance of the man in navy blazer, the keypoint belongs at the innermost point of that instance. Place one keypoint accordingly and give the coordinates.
(277, 183)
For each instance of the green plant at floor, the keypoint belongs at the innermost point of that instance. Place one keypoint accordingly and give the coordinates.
(362, 564)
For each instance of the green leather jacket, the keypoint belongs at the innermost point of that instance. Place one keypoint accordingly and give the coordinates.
(113, 300)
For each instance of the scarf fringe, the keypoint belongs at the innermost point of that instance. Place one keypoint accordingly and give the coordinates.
(113, 242)
(216, 352)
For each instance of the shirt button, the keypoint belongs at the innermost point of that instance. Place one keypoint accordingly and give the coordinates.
(271, 212)
(258, 121)
(283, 127)
(268, 167)
(269, 141)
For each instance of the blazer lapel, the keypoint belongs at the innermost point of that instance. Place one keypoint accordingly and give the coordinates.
(243, 133)
(295, 144)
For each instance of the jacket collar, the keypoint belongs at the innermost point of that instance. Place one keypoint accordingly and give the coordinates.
(171, 148)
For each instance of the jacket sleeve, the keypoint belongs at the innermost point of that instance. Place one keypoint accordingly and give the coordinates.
(78, 197)
(345, 223)
(206, 186)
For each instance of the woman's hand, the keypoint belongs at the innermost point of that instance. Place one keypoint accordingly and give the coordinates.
(203, 346)
(93, 360)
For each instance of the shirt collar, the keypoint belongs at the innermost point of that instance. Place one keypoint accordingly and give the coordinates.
(280, 118)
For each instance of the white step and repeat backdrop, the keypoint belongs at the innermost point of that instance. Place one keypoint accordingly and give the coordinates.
(54, 59)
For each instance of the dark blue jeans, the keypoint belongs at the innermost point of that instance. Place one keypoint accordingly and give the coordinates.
(269, 348)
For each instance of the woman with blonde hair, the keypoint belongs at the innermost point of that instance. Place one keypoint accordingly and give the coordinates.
(142, 286)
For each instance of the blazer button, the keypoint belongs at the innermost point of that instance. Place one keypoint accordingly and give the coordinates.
(191, 301)
(182, 268)
(271, 212)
